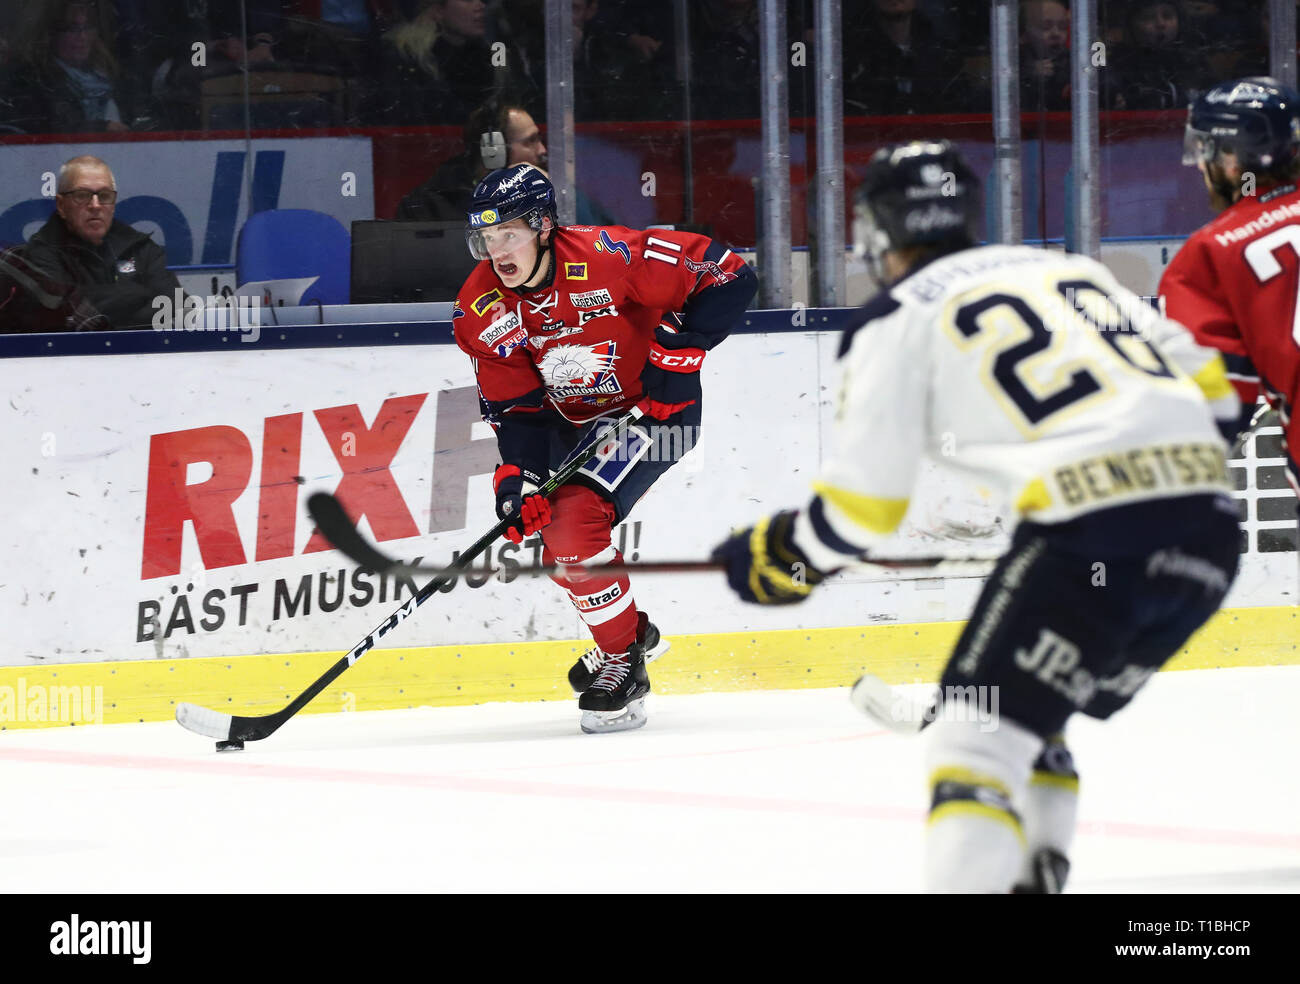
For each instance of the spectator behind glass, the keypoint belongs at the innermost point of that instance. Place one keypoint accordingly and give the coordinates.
(437, 66)
(339, 36)
(8, 29)
(464, 56)
(157, 40)
(1155, 69)
(64, 78)
(1251, 56)
(119, 271)
(896, 65)
(1044, 56)
(724, 59)
(446, 195)
(621, 70)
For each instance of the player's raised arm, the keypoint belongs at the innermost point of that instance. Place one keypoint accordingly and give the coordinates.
(695, 276)
(703, 288)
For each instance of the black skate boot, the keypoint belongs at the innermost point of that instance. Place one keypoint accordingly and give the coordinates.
(585, 670)
(1050, 868)
(615, 701)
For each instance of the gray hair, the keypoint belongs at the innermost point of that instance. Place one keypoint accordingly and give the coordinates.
(85, 160)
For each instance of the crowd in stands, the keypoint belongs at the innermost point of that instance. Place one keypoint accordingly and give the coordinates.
(84, 66)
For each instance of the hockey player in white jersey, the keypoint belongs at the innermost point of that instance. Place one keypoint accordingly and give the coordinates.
(1039, 374)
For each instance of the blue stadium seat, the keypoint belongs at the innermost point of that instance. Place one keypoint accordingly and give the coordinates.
(288, 243)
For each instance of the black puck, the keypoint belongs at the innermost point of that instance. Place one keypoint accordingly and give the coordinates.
(233, 745)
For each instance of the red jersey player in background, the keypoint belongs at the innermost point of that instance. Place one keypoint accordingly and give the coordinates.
(1236, 280)
(568, 325)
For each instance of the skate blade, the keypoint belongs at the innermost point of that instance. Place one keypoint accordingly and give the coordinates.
(602, 722)
(879, 701)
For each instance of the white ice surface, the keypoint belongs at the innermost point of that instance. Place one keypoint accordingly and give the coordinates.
(1191, 789)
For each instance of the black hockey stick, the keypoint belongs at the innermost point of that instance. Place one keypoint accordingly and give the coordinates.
(334, 525)
(232, 730)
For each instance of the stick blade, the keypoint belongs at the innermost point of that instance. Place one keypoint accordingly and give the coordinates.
(204, 721)
(333, 523)
(883, 704)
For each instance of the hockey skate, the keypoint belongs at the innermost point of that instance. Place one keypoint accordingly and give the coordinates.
(585, 670)
(615, 701)
(1049, 870)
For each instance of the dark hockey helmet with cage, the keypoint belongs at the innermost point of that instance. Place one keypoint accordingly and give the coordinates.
(916, 194)
(521, 191)
(1256, 118)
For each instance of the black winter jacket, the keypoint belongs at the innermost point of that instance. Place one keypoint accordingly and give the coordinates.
(120, 277)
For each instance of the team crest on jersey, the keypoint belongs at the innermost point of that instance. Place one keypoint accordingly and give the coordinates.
(591, 299)
(580, 370)
(456, 312)
(604, 244)
(485, 301)
(609, 311)
(575, 271)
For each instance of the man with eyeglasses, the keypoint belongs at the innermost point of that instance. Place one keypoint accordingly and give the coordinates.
(119, 270)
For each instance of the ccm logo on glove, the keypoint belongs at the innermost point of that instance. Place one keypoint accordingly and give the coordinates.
(677, 360)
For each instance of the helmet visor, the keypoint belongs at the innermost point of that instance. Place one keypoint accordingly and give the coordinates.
(486, 242)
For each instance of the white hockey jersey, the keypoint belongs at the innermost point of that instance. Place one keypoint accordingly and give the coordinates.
(1034, 372)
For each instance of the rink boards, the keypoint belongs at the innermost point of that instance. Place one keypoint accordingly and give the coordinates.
(132, 691)
(158, 547)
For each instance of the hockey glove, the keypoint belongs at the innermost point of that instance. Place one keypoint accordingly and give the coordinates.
(529, 510)
(670, 381)
(764, 566)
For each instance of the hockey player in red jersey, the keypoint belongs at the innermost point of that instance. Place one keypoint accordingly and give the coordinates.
(568, 325)
(1235, 281)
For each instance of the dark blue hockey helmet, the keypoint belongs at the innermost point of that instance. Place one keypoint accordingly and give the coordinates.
(1257, 119)
(522, 191)
(916, 194)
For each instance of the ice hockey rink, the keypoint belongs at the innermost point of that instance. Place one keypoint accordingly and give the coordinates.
(1190, 790)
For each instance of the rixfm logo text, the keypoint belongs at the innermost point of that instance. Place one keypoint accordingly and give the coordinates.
(364, 451)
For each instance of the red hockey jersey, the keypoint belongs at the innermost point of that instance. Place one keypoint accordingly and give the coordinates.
(580, 343)
(1235, 284)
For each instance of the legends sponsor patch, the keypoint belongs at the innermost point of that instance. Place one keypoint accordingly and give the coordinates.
(591, 299)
